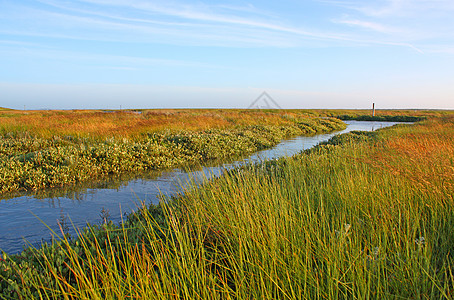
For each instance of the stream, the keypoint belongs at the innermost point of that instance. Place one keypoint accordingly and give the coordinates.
(23, 216)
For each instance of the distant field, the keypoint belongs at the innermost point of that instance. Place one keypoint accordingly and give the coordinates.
(130, 123)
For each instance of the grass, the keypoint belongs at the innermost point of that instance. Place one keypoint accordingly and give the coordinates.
(41, 149)
(366, 216)
(385, 114)
(134, 123)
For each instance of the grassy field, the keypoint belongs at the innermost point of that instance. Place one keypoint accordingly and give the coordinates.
(135, 123)
(383, 113)
(365, 216)
(40, 149)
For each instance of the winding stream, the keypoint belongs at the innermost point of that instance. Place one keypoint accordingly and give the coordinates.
(20, 215)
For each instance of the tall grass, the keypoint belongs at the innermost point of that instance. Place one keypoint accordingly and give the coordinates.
(346, 221)
(332, 225)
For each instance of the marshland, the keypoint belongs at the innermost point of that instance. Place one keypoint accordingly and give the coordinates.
(364, 215)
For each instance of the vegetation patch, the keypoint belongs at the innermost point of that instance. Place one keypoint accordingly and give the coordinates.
(383, 118)
(34, 157)
(370, 218)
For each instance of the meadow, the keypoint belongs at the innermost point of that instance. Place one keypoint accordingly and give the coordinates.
(363, 216)
(42, 149)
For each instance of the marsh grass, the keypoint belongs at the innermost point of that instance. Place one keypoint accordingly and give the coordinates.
(394, 115)
(345, 221)
(101, 124)
(134, 123)
(56, 148)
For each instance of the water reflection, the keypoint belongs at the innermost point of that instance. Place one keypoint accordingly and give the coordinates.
(84, 202)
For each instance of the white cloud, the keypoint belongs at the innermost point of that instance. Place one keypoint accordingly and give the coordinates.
(175, 27)
(373, 26)
(224, 25)
(175, 24)
(418, 24)
(119, 62)
(392, 7)
(395, 8)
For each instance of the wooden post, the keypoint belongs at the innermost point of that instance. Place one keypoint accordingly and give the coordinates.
(373, 109)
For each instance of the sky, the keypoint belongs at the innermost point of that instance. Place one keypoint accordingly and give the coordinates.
(112, 54)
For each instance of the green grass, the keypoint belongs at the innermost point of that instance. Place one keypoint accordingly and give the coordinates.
(42, 149)
(367, 216)
(31, 162)
(382, 118)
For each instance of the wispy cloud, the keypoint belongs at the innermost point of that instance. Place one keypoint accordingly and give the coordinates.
(224, 25)
(157, 24)
(395, 8)
(180, 14)
(373, 26)
(18, 43)
(421, 24)
(177, 23)
(91, 60)
(390, 8)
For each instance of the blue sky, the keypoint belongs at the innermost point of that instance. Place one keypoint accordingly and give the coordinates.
(171, 54)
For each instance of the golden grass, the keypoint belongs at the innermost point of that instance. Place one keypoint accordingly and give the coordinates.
(43, 148)
(426, 158)
(131, 123)
(384, 112)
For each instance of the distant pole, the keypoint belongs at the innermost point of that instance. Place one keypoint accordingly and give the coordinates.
(373, 109)
(24, 107)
